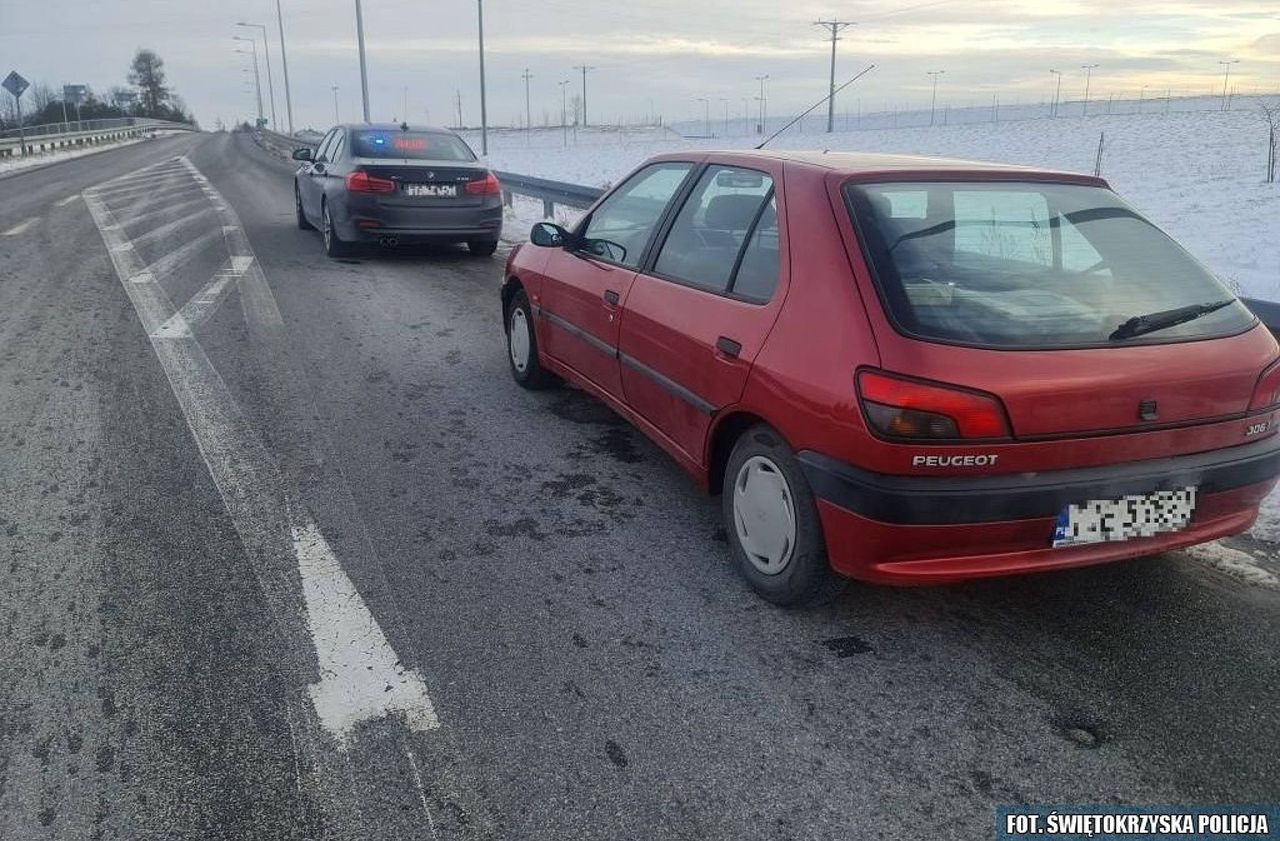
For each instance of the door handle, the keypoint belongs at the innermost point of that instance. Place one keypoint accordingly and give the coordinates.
(728, 347)
(611, 298)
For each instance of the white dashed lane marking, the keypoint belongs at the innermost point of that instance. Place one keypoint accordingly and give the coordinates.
(68, 200)
(21, 227)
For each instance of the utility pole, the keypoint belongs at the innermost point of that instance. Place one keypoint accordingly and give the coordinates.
(364, 76)
(706, 115)
(284, 62)
(726, 115)
(1057, 93)
(1088, 76)
(585, 69)
(484, 112)
(933, 103)
(336, 118)
(266, 53)
(528, 121)
(459, 101)
(836, 27)
(764, 113)
(257, 83)
(1226, 78)
(1142, 95)
(564, 112)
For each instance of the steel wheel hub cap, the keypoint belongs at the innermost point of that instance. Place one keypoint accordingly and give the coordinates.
(518, 339)
(764, 515)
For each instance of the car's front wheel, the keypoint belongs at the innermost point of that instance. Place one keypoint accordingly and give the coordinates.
(483, 247)
(334, 245)
(772, 523)
(304, 224)
(522, 346)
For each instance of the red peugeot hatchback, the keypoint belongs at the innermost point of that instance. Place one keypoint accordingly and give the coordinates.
(907, 370)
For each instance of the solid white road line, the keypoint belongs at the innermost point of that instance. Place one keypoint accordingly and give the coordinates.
(21, 227)
(167, 210)
(360, 676)
(204, 303)
(68, 200)
(184, 253)
(147, 237)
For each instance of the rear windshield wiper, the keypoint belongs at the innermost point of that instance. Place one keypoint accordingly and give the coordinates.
(1140, 325)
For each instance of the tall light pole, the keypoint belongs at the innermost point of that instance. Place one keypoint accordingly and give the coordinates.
(284, 62)
(706, 115)
(266, 54)
(726, 115)
(484, 110)
(564, 111)
(585, 70)
(1142, 96)
(1226, 78)
(836, 27)
(763, 111)
(364, 75)
(528, 120)
(257, 82)
(336, 118)
(1088, 76)
(933, 103)
(1057, 93)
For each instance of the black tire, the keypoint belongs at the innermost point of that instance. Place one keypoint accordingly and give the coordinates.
(334, 246)
(482, 247)
(519, 319)
(303, 223)
(805, 576)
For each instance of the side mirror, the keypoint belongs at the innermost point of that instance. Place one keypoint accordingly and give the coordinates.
(303, 154)
(548, 235)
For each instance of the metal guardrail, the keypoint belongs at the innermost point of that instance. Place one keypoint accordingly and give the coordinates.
(44, 138)
(551, 193)
(1268, 312)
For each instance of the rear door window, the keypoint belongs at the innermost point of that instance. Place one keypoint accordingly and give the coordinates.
(713, 226)
(1030, 265)
(326, 144)
(620, 228)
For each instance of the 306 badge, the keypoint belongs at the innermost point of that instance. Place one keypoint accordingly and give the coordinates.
(1256, 428)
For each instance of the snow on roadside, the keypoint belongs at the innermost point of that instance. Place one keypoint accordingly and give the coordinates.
(1235, 563)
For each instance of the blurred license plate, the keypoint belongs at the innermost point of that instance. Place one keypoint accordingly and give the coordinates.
(441, 191)
(1142, 515)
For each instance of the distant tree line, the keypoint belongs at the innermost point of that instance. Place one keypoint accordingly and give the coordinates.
(146, 95)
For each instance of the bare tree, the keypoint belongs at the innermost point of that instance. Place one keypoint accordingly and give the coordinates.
(42, 95)
(1271, 112)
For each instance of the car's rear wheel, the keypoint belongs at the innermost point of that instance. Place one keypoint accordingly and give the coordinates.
(483, 247)
(522, 346)
(772, 523)
(334, 246)
(303, 223)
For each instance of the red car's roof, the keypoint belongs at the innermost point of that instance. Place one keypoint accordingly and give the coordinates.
(880, 165)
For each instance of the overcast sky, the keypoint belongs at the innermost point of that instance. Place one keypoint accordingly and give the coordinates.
(650, 54)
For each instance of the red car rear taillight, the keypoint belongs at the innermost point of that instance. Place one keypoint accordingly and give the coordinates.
(363, 182)
(904, 408)
(1267, 392)
(487, 186)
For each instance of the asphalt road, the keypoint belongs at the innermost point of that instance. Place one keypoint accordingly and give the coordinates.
(286, 554)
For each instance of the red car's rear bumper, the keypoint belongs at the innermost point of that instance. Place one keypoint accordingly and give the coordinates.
(894, 530)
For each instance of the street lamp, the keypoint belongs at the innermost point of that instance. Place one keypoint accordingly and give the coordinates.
(256, 79)
(1088, 75)
(706, 115)
(284, 63)
(726, 115)
(564, 111)
(933, 103)
(484, 111)
(364, 76)
(336, 118)
(1142, 97)
(763, 106)
(1227, 78)
(1057, 93)
(266, 54)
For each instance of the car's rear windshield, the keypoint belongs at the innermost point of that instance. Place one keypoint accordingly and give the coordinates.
(1031, 265)
(416, 145)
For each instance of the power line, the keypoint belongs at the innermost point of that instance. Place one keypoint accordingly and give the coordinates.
(835, 27)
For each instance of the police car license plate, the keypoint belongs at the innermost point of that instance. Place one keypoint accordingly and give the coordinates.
(1141, 515)
(441, 191)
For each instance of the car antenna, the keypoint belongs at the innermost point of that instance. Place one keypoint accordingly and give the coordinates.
(801, 116)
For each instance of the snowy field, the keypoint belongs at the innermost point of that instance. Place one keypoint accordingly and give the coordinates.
(1199, 175)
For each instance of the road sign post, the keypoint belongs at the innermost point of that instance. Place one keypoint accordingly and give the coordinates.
(15, 84)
